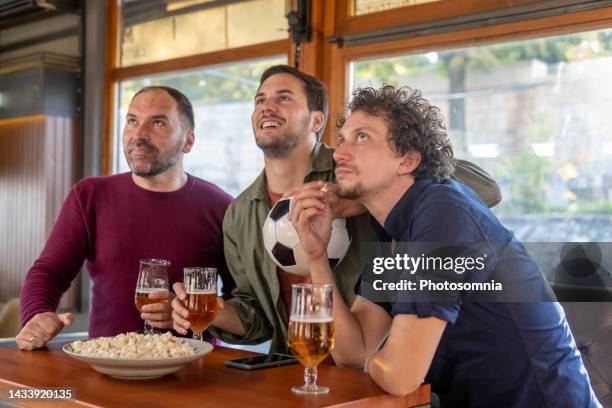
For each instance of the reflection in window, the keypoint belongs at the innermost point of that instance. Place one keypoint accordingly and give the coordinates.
(161, 30)
(534, 113)
(372, 6)
(224, 152)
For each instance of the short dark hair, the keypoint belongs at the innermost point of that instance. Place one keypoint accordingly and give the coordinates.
(314, 88)
(414, 124)
(185, 108)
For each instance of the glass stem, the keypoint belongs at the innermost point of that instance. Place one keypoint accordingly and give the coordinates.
(310, 377)
(197, 335)
(148, 329)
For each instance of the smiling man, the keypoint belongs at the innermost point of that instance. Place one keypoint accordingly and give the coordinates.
(289, 115)
(155, 211)
(394, 156)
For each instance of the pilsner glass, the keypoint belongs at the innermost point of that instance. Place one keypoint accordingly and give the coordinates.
(152, 277)
(311, 331)
(201, 288)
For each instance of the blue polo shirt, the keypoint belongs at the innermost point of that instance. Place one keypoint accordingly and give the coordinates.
(491, 354)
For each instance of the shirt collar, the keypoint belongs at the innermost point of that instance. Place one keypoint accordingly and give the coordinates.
(379, 231)
(398, 220)
(321, 160)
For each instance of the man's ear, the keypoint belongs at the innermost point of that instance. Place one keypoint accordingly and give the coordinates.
(317, 119)
(189, 140)
(409, 163)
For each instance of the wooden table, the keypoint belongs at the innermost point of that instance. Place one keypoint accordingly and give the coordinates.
(206, 382)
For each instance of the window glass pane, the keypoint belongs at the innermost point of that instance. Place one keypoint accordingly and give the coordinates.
(372, 6)
(224, 152)
(166, 30)
(255, 22)
(535, 114)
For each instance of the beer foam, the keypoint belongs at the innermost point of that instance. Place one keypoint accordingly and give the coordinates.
(151, 290)
(311, 319)
(202, 292)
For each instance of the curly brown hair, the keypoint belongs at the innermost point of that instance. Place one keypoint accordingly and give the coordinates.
(414, 124)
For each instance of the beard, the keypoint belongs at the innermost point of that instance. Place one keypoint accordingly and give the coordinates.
(354, 192)
(281, 146)
(161, 162)
(278, 149)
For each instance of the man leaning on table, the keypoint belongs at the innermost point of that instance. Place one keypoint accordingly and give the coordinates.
(155, 211)
(394, 156)
(289, 115)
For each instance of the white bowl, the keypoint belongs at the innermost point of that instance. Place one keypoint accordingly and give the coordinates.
(140, 368)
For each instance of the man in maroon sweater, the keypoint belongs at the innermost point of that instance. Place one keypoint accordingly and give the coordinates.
(156, 211)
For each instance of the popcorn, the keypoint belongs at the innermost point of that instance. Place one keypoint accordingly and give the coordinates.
(134, 346)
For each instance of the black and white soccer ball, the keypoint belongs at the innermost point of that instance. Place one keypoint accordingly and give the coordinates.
(283, 244)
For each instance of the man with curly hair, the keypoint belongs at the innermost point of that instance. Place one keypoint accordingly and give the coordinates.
(395, 157)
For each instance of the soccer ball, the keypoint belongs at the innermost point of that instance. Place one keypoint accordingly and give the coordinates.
(283, 244)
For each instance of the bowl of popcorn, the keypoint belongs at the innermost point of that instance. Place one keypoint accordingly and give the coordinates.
(135, 356)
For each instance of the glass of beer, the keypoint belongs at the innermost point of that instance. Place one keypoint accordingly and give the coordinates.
(201, 288)
(311, 331)
(152, 277)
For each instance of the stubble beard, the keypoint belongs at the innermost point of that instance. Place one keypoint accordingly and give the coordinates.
(162, 160)
(286, 143)
(280, 148)
(354, 192)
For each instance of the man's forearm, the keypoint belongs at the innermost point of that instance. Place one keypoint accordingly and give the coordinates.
(40, 293)
(228, 320)
(349, 349)
(400, 366)
(382, 367)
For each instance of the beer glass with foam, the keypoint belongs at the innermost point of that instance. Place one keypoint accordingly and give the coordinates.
(311, 331)
(152, 277)
(201, 288)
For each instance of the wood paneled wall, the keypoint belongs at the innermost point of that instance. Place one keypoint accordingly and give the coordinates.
(38, 165)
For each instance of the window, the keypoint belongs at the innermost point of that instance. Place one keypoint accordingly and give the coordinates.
(224, 152)
(163, 30)
(533, 113)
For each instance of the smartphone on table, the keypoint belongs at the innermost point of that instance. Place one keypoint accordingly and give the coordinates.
(262, 361)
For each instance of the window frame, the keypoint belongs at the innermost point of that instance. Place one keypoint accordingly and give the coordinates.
(348, 23)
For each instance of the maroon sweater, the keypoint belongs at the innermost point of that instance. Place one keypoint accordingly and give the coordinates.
(111, 223)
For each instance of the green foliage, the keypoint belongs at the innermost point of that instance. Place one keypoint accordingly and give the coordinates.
(543, 126)
(605, 39)
(230, 83)
(527, 175)
(552, 50)
(392, 70)
(604, 207)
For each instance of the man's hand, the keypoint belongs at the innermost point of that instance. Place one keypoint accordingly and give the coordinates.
(312, 216)
(42, 328)
(180, 313)
(159, 315)
(340, 207)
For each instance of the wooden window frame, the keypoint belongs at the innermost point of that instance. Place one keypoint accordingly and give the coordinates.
(347, 23)
(341, 58)
(113, 73)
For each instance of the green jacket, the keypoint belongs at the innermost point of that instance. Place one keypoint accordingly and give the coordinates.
(256, 297)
